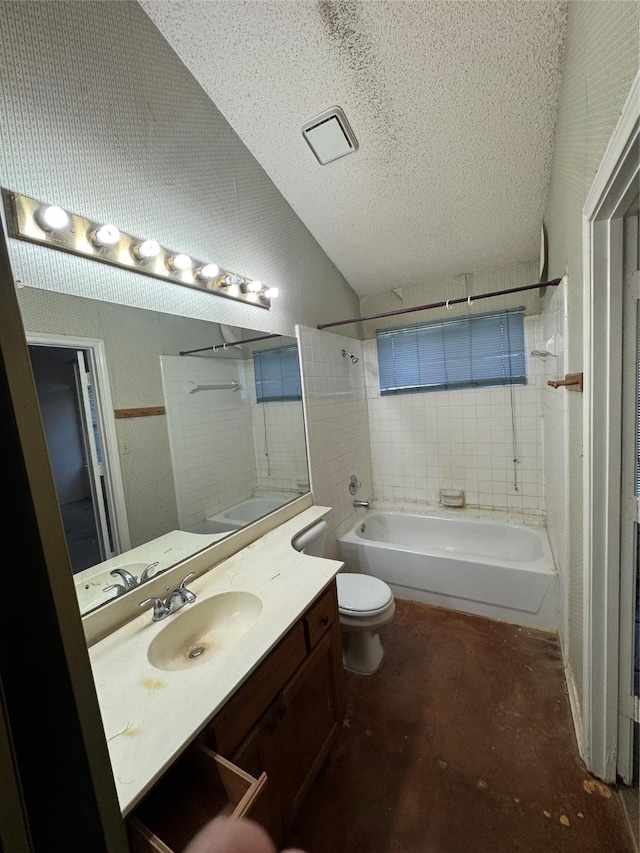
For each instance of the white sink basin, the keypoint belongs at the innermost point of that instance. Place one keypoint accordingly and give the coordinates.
(199, 631)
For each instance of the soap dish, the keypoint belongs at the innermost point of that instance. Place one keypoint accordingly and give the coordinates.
(452, 497)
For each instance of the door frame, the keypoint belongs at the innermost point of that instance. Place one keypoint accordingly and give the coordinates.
(95, 349)
(614, 188)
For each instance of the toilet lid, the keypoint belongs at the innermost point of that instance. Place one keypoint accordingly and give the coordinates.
(362, 593)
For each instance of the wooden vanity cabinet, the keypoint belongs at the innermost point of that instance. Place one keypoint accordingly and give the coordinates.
(291, 710)
(198, 787)
(263, 750)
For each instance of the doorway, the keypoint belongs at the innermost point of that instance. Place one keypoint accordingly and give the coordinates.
(629, 709)
(610, 464)
(73, 394)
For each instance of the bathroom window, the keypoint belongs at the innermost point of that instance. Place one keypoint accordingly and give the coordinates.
(277, 375)
(466, 352)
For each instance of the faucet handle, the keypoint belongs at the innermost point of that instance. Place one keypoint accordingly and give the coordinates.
(120, 590)
(188, 595)
(145, 573)
(159, 607)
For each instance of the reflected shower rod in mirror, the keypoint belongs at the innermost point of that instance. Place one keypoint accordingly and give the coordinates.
(49, 225)
(217, 347)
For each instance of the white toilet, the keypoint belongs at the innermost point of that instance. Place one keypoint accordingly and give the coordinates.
(365, 604)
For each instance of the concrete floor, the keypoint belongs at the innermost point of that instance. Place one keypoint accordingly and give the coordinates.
(463, 741)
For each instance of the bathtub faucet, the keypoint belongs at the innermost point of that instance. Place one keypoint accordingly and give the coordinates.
(361, 504)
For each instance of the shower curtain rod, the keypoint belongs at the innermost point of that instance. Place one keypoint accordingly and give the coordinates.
(233, 344)
(443, 304)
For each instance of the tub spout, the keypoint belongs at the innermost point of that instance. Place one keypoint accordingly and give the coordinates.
(361, 504)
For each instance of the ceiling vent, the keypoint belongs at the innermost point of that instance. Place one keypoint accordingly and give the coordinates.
(330, 136)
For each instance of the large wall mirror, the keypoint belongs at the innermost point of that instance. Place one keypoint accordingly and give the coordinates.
(157, 454)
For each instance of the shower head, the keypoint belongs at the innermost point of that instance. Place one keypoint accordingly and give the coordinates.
(354, 358)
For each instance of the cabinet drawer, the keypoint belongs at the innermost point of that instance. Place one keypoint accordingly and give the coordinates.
(198, 787)
(320, 616)
(248, 704)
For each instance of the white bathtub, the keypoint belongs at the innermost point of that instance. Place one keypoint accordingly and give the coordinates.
(243, 513)
(490, 568)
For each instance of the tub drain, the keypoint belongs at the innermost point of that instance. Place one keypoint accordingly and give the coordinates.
(363, 527)
(195, 652)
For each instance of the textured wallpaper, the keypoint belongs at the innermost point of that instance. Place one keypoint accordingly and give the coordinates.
(99, 115)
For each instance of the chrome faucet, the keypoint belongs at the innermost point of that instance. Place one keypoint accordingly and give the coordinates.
(129, 581)
(361, 504)
(174, 601)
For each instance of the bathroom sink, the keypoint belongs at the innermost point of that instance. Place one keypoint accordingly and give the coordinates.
(199, 631)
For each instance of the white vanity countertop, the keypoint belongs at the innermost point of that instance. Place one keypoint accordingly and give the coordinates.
(150, 715)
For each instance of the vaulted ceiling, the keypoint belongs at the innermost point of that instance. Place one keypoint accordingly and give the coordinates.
(453, 105)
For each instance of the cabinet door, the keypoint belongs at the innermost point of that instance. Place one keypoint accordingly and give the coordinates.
(309, 712)
(256, 755)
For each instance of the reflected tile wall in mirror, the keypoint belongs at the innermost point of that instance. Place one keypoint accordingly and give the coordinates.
(222, 441)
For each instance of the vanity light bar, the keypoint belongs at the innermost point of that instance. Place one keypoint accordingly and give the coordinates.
(50, 225)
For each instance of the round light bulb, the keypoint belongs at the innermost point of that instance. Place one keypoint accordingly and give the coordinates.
(179, 263)
(271, 292)
(105, 235)
(208, 271)
(233, 278)
(146, 250)
(52, 218)
(254, 286)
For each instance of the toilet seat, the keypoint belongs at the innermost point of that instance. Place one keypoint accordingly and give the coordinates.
(361, 596)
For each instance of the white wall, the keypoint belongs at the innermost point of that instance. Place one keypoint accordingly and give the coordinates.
(421, 443)
(337, 426)
(599, 65)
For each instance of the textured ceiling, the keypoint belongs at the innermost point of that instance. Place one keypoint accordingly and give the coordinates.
(453, 105)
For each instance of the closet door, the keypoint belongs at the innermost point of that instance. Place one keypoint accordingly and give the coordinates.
(93, 454)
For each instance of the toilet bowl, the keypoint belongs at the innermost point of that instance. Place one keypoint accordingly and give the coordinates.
(365, 604)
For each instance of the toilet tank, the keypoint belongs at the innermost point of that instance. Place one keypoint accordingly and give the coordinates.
(312, 541)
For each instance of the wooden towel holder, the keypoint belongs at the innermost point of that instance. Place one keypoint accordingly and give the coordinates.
(572, 381)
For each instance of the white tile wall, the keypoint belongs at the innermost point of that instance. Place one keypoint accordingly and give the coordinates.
(217, 438)
(421, 443)
(211, 437)
(279, 441)
(337, 426)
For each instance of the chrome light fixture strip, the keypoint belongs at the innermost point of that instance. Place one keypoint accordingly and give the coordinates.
(27, 219)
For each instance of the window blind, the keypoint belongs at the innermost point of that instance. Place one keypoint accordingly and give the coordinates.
(466, 352)
(277, 375)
